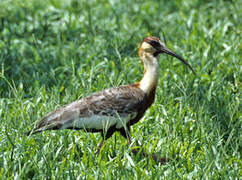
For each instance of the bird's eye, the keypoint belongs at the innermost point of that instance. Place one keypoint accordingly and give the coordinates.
(155, 44)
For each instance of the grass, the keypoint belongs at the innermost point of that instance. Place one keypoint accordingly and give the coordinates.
(54, 52)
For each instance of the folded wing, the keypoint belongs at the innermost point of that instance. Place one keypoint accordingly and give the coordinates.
(97, 112)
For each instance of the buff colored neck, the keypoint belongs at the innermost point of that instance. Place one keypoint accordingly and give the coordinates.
(151, 73)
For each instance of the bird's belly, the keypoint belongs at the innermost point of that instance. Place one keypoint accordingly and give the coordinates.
(98, 122)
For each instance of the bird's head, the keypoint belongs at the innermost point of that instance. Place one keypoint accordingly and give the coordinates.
(152, 47)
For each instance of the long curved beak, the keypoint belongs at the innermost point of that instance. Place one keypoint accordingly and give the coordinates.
(168, 51)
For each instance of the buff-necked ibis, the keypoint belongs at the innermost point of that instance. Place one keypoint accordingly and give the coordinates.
(114, 109)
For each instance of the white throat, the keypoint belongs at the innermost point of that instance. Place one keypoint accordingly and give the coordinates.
(150, 78)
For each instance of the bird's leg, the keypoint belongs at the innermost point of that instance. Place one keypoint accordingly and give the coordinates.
(99, 146)
(136, 150)
(126, 135)
(105, 136)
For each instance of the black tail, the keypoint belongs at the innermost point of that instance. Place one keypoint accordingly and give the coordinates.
(32, 132)
(29, 133)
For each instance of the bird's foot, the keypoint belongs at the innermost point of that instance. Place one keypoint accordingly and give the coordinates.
(162, 160)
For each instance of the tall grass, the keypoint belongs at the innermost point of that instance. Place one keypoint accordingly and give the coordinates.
(53, 52)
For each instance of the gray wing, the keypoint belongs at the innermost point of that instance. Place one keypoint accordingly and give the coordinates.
(93, 110)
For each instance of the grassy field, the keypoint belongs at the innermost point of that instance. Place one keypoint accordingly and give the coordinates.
(54, 52)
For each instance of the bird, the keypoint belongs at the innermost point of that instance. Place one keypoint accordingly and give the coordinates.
(115, 109)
